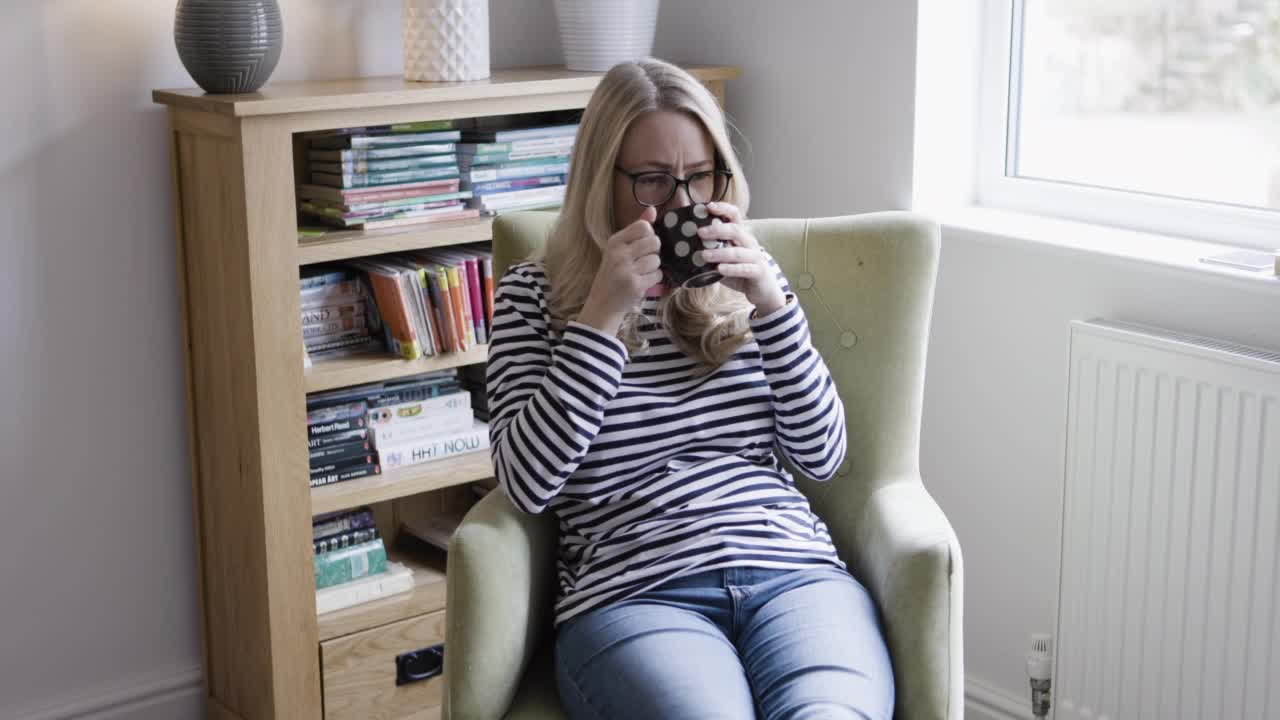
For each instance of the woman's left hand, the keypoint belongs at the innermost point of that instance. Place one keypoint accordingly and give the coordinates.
(743, 264)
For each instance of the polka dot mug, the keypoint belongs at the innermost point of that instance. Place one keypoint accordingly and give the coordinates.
(681, 258)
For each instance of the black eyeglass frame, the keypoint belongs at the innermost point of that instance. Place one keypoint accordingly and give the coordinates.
(676, 183)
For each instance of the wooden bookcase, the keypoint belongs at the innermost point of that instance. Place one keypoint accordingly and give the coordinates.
(265, 653)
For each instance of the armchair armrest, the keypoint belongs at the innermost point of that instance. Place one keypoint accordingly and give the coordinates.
(501, 566)
(908, 555)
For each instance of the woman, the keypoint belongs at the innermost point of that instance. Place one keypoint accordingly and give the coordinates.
(694, 580)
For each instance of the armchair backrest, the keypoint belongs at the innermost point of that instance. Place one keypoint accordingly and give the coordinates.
(866, 283)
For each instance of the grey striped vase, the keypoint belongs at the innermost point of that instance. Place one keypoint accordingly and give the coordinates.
(228, 46)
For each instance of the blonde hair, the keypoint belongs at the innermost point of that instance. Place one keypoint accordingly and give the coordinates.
(709, 323)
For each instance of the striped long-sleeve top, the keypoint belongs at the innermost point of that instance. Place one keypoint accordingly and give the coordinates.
(651, 471)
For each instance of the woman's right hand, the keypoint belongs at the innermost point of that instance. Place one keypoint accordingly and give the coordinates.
(627, 270)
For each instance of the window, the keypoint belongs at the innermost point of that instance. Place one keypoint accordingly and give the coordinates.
(1158, 114)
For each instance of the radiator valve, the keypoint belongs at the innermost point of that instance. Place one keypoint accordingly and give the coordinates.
(1040, 670)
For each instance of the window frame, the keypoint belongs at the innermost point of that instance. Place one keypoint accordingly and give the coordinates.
(996, 187)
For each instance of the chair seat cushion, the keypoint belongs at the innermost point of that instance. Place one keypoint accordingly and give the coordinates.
(537, 699)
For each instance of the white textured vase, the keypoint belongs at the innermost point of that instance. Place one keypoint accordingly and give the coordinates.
(598, 34)
(446, 40)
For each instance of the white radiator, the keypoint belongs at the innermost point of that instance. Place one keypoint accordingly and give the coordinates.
(1169, 593)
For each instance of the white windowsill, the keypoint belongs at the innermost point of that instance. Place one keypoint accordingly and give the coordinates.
(1179, 255)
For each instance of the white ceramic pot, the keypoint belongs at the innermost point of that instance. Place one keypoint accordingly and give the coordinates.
(446, 40)
(598, 34)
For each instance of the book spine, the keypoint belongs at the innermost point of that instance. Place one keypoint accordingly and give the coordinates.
(321, 295)
(351, 340)
(477, 305)
(467, 160)
(341, 521)
(446, 297)
(387, 178)
(352, 473)
(337, 325)
(315, 442)
(415, 452)
(357, 561)
(333, 427)
(488, 174)
(339, 452)
(486, 188)
(329, 313)
(352, 156)
(437, 340)
(343, 540)
(395, 314)
(367, 167)
(397, 579)
(434, 425)
(340, 466)
(414, 411)
(489, 289)
(459, 310)
(336, 412)
(325, 278)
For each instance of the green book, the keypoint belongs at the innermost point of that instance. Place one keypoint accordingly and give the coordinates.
(380, 153)
(360, 180)
(350, 563)
(365, 167)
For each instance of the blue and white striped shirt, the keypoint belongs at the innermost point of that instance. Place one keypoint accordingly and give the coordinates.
(653, 472)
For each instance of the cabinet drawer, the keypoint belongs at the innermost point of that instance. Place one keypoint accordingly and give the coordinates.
(359, 672)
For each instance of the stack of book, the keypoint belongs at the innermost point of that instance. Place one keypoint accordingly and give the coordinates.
(350, 561)
(338, 441)
(411, 420)
(516, 169)
(433, 301)
(338, 316)
(385, 176)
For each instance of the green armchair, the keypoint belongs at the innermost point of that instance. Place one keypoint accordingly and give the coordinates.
(866, 284)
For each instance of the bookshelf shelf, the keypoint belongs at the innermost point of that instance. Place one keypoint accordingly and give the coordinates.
(375, 367)
(346, 244)
(234, 174)
(428, 595)
(402, 482)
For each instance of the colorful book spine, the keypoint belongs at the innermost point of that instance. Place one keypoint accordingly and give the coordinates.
(333, 427)
(354, 340)
(415, 452)
(326, 277)
(486, 188)
(366, 167)
(509, 171)
(340, 541)
(489, 289)
(477, 305)
(357, 561)
(385, 178)
(550, 155)
(330, 313)
(395, 313)
(366, 155)
(338, 325)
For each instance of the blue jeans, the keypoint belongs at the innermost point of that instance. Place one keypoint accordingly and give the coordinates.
(732, 643)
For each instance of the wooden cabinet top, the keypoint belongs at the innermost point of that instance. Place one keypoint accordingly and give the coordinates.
(365, 93)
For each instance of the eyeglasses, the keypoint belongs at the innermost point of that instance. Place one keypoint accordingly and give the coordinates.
(653, 188)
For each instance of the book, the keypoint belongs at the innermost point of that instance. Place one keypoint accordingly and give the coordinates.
(348, 196)
(364, 208)
(316, 442)
(514, 134)
(563, 143)
(416, 411)
(509, 171)
(317, 278)
(367, 167)
(374, 154)
(395, 580)
(338, 541)
(554, 193)
(448, 208)
(356, 142)
(380, 394)
(437, 447)
(394, 308)
(359, 340)
(486, 188)
(334, 427)
(355, 472)
(351, 563)
(438, 423)
(341, 521)
(436, 530)
(480, 159)
(329, 467)
(331, 313)
(338, 411)
(339, 452)
(384, 179)
(337, 325)
(462, 214)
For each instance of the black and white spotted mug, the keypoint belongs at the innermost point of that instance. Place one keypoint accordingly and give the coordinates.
(680, 257)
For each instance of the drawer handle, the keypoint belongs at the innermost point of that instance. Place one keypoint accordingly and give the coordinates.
(418, 665)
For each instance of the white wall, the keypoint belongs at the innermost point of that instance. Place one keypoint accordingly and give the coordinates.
(97, 605)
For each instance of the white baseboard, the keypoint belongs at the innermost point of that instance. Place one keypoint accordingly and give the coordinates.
(156, 696)
(983, 701)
